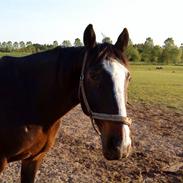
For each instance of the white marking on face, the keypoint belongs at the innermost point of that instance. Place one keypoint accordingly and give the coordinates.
(118, 74)
(126, 137)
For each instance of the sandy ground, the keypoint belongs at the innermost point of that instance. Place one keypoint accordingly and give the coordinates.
(157, 154)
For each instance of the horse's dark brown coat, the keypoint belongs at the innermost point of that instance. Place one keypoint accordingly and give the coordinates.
(36, 90)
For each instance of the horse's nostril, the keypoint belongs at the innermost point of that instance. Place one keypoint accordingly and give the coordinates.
(114, 143)
(112, 156)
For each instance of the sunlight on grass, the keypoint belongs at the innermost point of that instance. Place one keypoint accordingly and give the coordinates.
(15, 54)
(154, 86)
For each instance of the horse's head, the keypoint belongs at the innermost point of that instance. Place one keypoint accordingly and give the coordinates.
(103, 92)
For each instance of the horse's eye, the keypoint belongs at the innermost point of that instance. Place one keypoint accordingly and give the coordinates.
(94, 77)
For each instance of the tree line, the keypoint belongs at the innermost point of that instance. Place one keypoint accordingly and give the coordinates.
(146, 52)
(30, 47)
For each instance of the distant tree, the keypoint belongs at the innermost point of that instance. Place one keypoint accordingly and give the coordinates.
(9, 45)
(169, 43)
(140, 47)
(28, 43)
(107, 40)
(66, 43)
(145, 55)
(132, 52)
(55, 43)
(4, 47)
(22, 44)
(149, 42)
(156, 54)
(176, 55)
(15, 45)
(1, 47)
(78, 42)
(171, 53)
(38, 47)
(181, 48)
(31, 49)
(147, 50)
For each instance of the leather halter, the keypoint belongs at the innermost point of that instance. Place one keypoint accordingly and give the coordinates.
(93, 115)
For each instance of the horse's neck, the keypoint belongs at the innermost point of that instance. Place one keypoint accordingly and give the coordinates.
(70, 69)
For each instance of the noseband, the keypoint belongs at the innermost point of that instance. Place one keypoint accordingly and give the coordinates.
(93, 115)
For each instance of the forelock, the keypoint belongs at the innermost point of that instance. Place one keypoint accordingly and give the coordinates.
(106, 51)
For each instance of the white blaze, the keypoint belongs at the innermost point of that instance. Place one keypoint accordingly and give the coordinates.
(118, 74)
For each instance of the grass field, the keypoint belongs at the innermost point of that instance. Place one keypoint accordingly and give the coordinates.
(15, 54)
(164, 87)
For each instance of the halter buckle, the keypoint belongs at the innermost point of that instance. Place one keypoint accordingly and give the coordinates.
(81, 77)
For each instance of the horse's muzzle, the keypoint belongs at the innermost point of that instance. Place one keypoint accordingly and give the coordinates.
(112, 155)
(116, 153)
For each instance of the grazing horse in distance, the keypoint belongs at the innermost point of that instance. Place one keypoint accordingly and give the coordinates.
(37, 90)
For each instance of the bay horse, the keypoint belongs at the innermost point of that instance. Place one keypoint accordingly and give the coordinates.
(37, 90)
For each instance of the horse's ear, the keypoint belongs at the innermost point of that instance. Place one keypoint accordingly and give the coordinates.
(122, 41)
(89, 37)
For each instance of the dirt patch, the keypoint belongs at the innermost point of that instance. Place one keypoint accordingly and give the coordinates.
(77, 157)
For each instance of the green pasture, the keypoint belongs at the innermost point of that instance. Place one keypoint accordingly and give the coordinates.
(15, 54)
(163, 87)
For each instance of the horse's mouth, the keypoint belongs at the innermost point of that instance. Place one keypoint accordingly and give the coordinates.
(112, 156)
(116, 154)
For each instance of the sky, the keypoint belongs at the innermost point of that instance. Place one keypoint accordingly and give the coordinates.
(43, 21)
